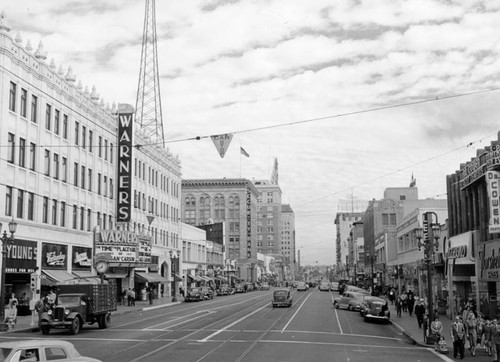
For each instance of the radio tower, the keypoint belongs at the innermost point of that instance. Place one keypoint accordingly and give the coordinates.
(148, 105)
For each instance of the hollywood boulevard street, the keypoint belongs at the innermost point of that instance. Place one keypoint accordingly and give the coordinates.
(244, 327)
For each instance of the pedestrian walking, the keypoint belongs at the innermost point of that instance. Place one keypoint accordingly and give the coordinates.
(488, 331)
(399, 306)
(150, 295)
(420, 312)
(458, 337)
(181, 291)
(404, 300)
(124, 296)
(392, 296)
(495, 340)
(471, 328)
(436, 330)
(132, 296)
(11, 315)
(410, 302)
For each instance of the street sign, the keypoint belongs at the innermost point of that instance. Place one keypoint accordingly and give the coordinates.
(222, 142)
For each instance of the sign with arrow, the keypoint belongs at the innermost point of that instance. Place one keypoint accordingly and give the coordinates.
(222, 142)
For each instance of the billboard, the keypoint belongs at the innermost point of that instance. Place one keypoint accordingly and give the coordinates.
(21, 256)
(124, 248)
(54, 256)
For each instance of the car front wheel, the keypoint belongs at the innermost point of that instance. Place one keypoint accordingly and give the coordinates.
(336, 305)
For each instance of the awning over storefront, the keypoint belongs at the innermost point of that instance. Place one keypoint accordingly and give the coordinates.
(196, 278)
(150, 278)
(206, 279)
(177, 277)
(84, 274)
(52, 277)
(221, 279)
(115, 275)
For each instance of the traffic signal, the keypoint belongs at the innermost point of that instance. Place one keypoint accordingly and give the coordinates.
(34, 282)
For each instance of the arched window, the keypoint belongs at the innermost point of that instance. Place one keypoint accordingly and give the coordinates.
(190, 210)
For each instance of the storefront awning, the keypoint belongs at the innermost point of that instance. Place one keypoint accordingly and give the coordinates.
(196, 278)
(53, 277)
(177, 277)
(221, 279)
(150, 278)
(115, 275)
(84, 274)
(205, 278)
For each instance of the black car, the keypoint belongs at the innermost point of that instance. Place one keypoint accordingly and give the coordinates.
(199, 293)
(375, 308)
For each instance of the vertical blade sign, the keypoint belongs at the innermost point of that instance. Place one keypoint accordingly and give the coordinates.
(124, 189)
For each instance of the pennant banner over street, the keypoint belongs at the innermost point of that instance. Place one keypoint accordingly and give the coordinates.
(222, 142)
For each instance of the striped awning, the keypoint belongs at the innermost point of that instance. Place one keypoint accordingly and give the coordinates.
(196, 278)
(150, 277)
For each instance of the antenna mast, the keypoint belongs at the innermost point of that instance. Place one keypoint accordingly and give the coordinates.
(148, 104)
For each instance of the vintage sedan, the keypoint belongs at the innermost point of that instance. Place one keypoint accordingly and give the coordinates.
(349, 300)
(352, 288)
(41, 350)
(324, 286)
(224, 289)
(282, 298)
(302, 286)
(376, 309)
(199, 293)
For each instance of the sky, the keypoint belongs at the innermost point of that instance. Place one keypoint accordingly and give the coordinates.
(351, 96)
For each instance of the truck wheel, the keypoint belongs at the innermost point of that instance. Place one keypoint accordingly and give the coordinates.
(75, 326)
(45, 329)
(104, 321)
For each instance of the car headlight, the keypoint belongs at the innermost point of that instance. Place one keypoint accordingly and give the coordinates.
(49, 312)
(66, 311)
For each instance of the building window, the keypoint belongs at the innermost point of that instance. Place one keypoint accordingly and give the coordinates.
(111, 153)
(91, 140)
(105, 150)
(64, 173)
(392, 219)
(54, 212)
(47, 163)
(12, 96)
(31, 205)
(20, 204)
(56, 166)
(105, 186)
(8, 201)
(32, 156)
(111, 188)
(22, 152)
(24, 102)
(385, 219)
(98, 183)
(57, 115)
(45, 210)
(84, 137)
(83, 177)
(63, 214)
(75, 174)
(77, 132)
(34, 108)
(90, 179)
(89, 219)
(82, 217)
(48, 116)
(11, 141)
(99, 145)
(65, 127)
(75, 215)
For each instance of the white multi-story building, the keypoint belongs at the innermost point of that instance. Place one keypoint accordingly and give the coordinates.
(59, 177)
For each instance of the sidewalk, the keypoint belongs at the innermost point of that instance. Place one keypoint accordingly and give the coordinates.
(409, 328)
(30, 323)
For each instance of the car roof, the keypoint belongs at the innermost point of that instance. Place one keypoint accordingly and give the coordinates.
(34, 343)
(282, 290)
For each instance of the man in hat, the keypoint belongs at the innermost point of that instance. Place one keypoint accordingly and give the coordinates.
(458, 337)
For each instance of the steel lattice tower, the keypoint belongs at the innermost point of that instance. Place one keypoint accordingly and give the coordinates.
(148, 104)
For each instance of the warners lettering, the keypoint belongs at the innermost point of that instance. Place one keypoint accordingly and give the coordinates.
(457, 252)
(121, 237)
(124, 189)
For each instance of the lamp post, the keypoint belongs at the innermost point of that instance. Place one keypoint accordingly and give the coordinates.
(173, 260)
(5, 239)
(370, 258)
(430, 233)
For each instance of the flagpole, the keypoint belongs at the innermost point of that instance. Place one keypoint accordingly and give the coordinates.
(240, 160)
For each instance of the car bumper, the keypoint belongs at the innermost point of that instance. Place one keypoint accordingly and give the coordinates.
(56, 324)
(373, 316)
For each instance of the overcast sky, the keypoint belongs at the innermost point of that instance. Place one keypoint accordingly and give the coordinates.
(390, 88)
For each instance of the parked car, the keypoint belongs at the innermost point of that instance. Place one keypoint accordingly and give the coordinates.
(250, 287)
(239, 288)
(349, 300)
(302, 286)
(376, 309)
(352, 288)
(282, 297)
(41, 350)
(364, 305)
(224, 290)
(198, 294)
(334, 286)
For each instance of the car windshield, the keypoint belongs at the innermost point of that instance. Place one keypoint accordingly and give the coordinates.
(194, 290)
(280, 293)
(69, 299)
(4, 352)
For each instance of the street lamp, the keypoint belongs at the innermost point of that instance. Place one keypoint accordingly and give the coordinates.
(173, 266)
(5, 239)
(430, 235)
(370, 258)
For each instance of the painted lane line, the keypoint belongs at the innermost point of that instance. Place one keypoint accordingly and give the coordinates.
(232, 324)
(338, 320)
(297, 311)
(339, 344)
(178, 321)
(341, 334)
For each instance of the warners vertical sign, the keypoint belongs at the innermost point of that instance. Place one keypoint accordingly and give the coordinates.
(493, 189)
(124, 188)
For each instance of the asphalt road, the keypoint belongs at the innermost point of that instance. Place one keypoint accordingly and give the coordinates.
(245, 327)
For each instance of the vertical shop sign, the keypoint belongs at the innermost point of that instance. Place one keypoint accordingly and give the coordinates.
(493, 189)
(124, 189)
(249, 225)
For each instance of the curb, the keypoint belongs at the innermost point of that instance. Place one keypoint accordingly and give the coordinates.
(408, 336)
